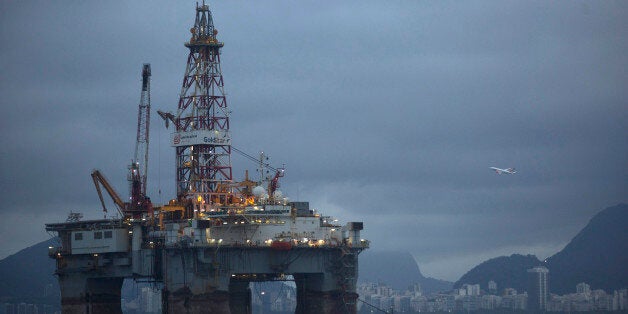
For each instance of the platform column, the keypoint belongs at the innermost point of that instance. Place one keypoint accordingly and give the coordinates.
(82, 295)
(240, 297)
(191, 286)
(184, 301)
(319, 293)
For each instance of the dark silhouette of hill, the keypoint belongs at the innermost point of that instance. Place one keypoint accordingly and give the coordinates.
(597, 255)
(27, 276)
(398, 270)
(506, 271)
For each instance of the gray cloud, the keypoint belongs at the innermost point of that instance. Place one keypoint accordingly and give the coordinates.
(389, 113)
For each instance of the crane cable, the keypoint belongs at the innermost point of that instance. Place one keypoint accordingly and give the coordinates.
(254, 159)
(373, 306)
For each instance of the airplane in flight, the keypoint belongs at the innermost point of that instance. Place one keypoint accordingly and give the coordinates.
(506, 171)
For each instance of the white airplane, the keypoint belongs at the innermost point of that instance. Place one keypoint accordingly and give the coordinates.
(506, 171)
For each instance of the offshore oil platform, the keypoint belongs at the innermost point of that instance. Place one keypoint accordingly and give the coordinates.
(208, 244)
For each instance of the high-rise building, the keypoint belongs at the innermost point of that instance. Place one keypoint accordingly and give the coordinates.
(510, 291)
(416, 288)
(9, 308)
(492, 287)
(473, 289)
(620, 300)
(538, 288)
(469, 289)
(583, 288)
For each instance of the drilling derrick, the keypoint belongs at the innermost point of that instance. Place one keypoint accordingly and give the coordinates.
(201, 138)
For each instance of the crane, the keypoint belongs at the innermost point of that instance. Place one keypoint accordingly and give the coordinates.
(139, 203)
(99, 180)
(138, 169)
(274, 182)
(143, 124)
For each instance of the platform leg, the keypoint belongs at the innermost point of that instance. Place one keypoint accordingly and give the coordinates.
(83, 295)
(316, 294)
(240, 298)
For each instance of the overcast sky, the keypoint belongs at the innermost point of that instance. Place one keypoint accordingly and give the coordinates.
(387, 112)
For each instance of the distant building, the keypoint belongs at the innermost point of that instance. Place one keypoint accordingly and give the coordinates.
(466, 299)
(583, 288)
(538, 288)
(21, 308)
(468, 289)
(416, 288)
(468, 303)
(384, 290)
(376, 300)
(402, 304)
(601, 300)
(386, 303)
(509, 291)
(620, 300)
(473, 289)
(520, 302)
(514, 301)
(491, 302)
(492, 287)
(9, 308)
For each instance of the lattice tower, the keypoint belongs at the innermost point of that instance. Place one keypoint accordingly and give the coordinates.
(202, 139)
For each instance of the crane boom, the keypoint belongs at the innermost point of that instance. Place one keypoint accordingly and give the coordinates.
(139, 203)
(274, 183)
(138, 169)
(168, 117)
(99, 179)
(140, 160)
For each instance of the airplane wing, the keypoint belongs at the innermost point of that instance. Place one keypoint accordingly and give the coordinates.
(500, 171)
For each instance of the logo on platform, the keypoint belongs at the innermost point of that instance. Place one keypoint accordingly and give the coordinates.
(177, 139)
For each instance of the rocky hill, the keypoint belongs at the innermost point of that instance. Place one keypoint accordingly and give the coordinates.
(27, 276)
(506, 271)
(398, 270)
(597, 255)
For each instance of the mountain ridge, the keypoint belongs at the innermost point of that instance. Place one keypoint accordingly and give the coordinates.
(29, 275)
(506, 271)
(375, 266)
(597, 255)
